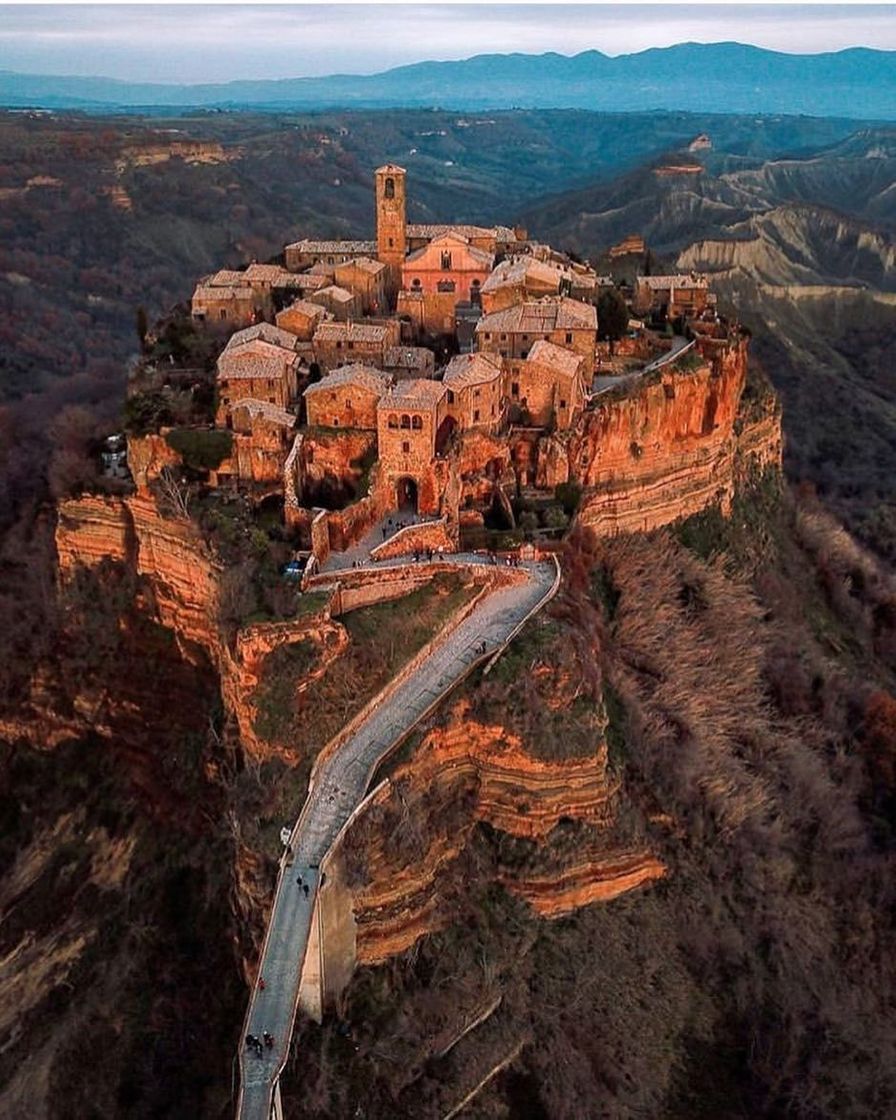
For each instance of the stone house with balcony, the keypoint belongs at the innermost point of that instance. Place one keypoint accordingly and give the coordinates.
(475, 391)
(346, 398)
(513, 332)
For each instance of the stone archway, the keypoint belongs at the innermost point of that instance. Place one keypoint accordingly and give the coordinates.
(406, 495)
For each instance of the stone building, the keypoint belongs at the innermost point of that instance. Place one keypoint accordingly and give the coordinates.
(409, 361)
(346, 398)
(301, 318)
(413, 426)
(262, 438)
(226, 298)
(261, 363)
(527, 277)
(303, 254)
(514, 331)
(368, 279)
(631, 245)
(684, 294)
(475, 391)
(339, 302)
(549, 385)
(448, 266)
(491, 239)
(337, 344)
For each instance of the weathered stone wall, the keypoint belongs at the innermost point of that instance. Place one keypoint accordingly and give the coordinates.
(433, 535)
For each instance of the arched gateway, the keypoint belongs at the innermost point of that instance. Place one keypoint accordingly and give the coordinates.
(406, 495)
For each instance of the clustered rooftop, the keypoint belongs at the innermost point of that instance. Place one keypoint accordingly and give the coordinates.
(341, 336)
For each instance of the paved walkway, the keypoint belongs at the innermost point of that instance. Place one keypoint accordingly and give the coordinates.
(338, 785)
(602, 383)
(359, 552)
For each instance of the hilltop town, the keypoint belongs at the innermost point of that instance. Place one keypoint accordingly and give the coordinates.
(437, 381)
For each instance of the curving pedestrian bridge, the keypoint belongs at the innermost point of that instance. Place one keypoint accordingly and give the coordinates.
(339, 782)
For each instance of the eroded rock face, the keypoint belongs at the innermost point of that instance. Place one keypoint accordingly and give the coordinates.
(556, 818)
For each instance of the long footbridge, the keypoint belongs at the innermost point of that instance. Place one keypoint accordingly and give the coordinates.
(339, 783)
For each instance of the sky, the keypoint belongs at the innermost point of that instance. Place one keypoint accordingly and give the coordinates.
(222, 42)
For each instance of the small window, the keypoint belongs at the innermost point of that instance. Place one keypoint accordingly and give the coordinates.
(351, 345)
(524, 353)
(389, 190)
(339, 345)
(503, 337)
(446, 286)
(503, 353)
(451, 396)
(446, 261)
(569, 336)
(348, 402)
(415, 283)
(525, 338)
(417, 423)
(405, 421)
(475, 415)
(475, 392)
(390, 242)
(406, 447)
(563, 404)
(223, 313)
(488, 337)
(515, 389)
(335, 421)
(393, 421)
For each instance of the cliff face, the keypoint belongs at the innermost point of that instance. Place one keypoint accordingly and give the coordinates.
(665, 451)
(551, 826)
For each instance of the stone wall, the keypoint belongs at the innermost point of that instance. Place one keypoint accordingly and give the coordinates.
(433, 535)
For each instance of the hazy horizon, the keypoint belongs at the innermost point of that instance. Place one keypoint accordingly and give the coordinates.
(209, 44)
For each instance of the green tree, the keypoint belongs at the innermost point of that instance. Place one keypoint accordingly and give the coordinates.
(612, 315)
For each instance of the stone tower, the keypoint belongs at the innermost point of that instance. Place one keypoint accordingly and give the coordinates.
(391, 221)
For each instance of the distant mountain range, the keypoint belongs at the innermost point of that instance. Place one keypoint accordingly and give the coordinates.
(719, 77)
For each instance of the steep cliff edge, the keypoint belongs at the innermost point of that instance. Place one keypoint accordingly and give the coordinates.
(675, 444)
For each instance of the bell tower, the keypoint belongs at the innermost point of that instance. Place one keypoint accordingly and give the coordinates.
(391, 221)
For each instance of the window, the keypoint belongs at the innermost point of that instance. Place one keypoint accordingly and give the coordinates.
(405, 421)
(563, 404)
(503, 337)
(390, 243)
(351, 345)
(223, 313)
(515, 389)
(445, 285)
(503, 353)
(475, 392)
(335, 421)
(525, 338)
(417, 423)
(446, 261)
(475, 415)
(389, 190)
(450, 396)
(569, 336)
(415, 283)
(524, 354)
(339, 345)
(493, 410)
(393, 420)
(406, 447)
(488, 337)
